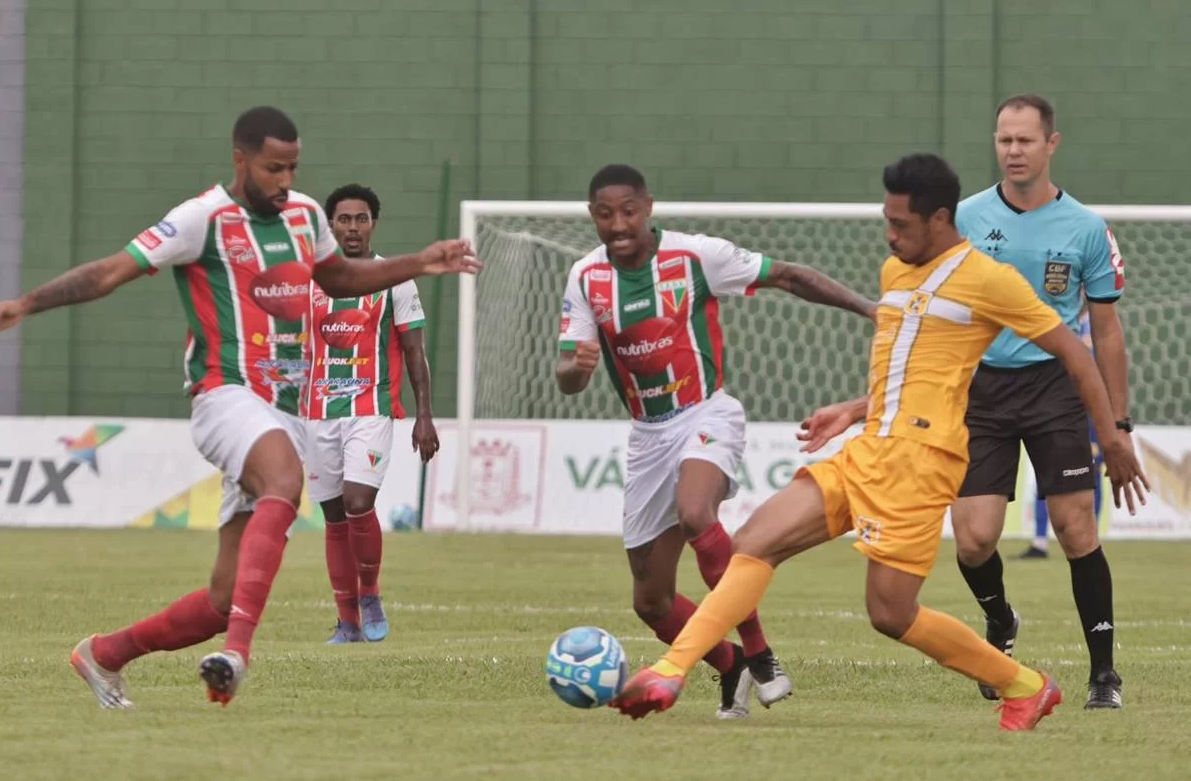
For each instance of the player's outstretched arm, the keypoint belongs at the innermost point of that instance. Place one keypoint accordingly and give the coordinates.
(342, 277)
(816, 287)
(829, 422)
(83, 283)
(1119, 459)
(574, 367)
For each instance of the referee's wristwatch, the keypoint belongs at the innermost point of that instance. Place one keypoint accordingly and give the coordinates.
(1126, 425)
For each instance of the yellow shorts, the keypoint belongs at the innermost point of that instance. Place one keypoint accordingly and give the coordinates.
(894, 492)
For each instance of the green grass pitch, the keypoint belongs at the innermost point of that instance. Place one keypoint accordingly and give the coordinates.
(458, 690)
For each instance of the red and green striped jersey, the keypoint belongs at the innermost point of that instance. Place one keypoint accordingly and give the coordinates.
(244, 280)
(659, 325)
(356, 352)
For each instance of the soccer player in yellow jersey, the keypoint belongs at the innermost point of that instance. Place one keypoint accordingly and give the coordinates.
(942, 304)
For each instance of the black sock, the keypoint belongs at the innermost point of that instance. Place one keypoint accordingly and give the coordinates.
(1091, 583)
(987, 583)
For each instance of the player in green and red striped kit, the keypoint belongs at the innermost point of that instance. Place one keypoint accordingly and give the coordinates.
(243, 257)
(649, 300)
(353, 396)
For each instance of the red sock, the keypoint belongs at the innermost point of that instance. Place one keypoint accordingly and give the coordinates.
(261, 548)
(341, 567)
(722, 657)
(367, 542)
(713, 551)
(187, 621)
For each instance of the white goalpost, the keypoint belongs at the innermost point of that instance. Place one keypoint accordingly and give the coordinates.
(784, 357)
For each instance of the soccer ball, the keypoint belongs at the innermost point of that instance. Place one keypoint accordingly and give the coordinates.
(586, 667)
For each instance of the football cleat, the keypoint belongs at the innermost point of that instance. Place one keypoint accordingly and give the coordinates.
(345, 633)
(647, 692)
(223, 673)
(107, 686)
(1020, 714)
(770, 679)
(376, 626)
(1104, 692)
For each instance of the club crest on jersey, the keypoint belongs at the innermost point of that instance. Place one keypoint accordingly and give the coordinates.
(1057, 278)
(673, 294)
(918, 304)
(374, 459)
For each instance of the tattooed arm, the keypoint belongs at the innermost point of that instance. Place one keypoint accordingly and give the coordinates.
(816, 287)
(83, 283)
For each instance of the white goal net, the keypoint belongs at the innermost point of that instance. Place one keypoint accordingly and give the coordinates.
(784, 357)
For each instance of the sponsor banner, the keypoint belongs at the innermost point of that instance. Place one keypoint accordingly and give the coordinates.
(538, 477)
(567, 477)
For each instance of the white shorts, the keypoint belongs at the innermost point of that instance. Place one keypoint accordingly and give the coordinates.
(225, 423)
(354, 450)
(711, 431)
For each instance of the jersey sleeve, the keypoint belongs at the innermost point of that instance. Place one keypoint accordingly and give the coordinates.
(578, 323)
(1006, 299)
(407, 307)
(1104, 272)
(325, 246)
(731, 270)
(175, 241)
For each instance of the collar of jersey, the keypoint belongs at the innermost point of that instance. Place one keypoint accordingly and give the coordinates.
(657, 232)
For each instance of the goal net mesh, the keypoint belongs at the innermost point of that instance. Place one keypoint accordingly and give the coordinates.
(784, 357)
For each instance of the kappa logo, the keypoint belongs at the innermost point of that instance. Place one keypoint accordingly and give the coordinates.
(995, 235)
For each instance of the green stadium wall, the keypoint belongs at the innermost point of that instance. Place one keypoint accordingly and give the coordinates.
(130, 104)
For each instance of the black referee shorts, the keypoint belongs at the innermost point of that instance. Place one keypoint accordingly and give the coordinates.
(1036, 405)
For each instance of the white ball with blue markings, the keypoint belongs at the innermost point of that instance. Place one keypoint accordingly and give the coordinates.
(586, 667)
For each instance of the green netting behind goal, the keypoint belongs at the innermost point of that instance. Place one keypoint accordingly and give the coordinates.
(785, 357)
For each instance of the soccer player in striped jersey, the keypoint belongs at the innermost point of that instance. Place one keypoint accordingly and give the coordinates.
(243, 257)
(353, 396)
(649, 300)
(942, 304)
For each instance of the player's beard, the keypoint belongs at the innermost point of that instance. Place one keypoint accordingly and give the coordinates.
(258, 201)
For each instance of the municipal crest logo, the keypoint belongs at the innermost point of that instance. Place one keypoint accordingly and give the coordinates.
(1057, 278)
(495, 484)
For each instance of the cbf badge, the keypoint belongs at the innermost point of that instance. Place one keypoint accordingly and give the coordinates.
(1057, 278)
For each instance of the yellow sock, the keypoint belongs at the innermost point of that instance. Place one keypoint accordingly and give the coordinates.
(737, 594)
(955, 646)
(1027, 683)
